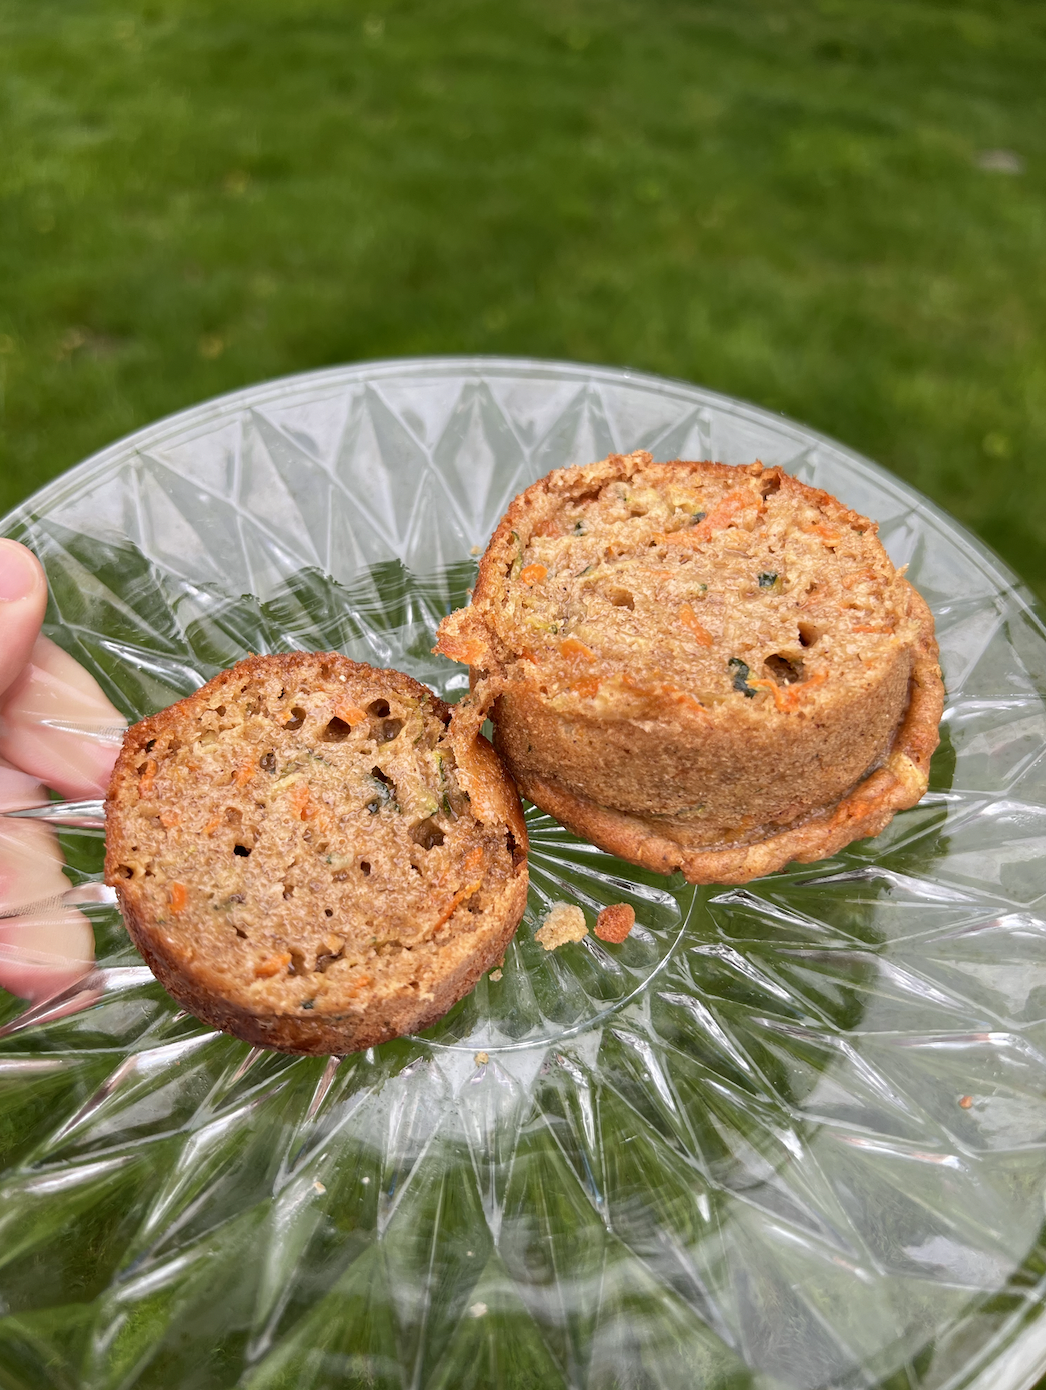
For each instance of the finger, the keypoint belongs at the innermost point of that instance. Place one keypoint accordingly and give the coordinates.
(23, 599)
(44, 952)
(30, 864)
(18, 788)
(52, 691)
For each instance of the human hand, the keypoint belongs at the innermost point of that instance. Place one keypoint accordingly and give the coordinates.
(51, 715)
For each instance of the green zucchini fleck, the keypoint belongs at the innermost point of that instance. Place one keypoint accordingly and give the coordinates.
(768, 579)
(741, 674)
(697, 517)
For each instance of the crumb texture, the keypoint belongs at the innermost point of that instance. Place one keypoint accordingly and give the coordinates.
(614, 923)
(564, 922)
(296, 847)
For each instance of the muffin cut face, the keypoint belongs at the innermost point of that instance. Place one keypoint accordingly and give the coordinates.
(309, 855)
(712, 653)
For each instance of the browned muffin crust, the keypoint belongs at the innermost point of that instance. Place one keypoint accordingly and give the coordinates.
(314, 855)
(700, 666)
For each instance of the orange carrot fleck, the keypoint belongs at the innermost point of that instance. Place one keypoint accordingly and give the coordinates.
(273, 965)
(300, 800)
(350, 714)
(966, 1102)
(533, 574)
(787, 697)
(587, 686)
(469, 650)
(245, 774)
(572, 649)
(148, 777)
(828, 534)
(726, 513)
(213, 824)
(179, 896)
(169, 819)
(614, 923)
(688, 618)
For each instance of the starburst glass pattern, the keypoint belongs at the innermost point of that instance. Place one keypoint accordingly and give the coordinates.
(790, 1136)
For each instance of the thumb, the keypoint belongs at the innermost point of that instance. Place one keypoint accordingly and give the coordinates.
(23, 599)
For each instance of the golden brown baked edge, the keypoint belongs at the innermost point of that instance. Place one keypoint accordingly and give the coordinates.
(863, 812)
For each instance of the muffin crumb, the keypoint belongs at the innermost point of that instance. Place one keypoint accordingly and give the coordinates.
(614, 923)
(564, 923)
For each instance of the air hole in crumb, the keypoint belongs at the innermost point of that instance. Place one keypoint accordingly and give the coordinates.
(379, 709)
(621, 598)
(770, 485)
(241, 933)
(342, 875)
(517, 854)
(808, 634)
(389, 730)
(233, 816)
(288, 893)
(220, 711)
(783, 669)
(267, 762)
(364, 868)
(328, 912)
(426, 833)
(124, 871)
(241, 850)
(337, 731)
(296, 720)
(297, 965)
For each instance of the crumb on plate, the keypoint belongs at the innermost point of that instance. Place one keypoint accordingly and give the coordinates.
(564, 923)
(614, 923)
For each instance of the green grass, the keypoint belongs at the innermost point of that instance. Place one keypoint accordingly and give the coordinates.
(776, 198)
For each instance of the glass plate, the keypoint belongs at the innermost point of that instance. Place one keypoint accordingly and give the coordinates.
(787, 1136)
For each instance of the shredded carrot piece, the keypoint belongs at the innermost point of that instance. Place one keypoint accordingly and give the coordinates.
(872, 629)
(787, 697)
(350, 715)
(688, 618)
(148, 777)
(469, 650)
(272, 966)
(828, 534)
(179, 896)
(849, 580)
(533, 574)
(473, 860)
(299, 796)
(587, 686)
(213, 824)
(572, 649)
(725, 513)
(245, 774)
(169, 819)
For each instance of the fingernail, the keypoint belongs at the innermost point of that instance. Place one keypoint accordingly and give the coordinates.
(19, 574)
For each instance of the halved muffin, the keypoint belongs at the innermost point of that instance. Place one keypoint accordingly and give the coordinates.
(311, 854)
(700, 666)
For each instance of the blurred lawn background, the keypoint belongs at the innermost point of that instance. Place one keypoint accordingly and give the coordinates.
(834, 209)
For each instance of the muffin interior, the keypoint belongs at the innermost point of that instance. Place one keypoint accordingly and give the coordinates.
(302, 836)
(722, 583)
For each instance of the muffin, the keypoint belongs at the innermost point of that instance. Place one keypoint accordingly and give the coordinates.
(312, 855)
(701, 667)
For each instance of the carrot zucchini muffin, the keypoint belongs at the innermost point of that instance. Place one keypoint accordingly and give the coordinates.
(701, 667)
(313, 855)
